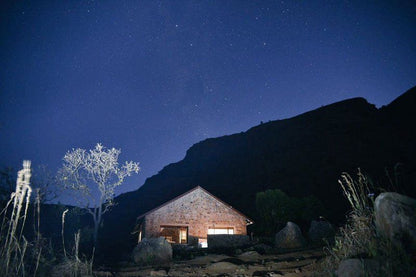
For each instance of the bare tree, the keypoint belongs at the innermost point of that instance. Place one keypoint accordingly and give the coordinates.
(95, 174)
(45, 183)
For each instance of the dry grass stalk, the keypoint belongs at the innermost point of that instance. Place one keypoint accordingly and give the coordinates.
(13, 243)
(63, 231)
(72, 266)
(38, 247)
(357, 192)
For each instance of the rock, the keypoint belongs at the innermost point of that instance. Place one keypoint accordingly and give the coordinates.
(265, 273)
(152, 251)
(102, 274)
(158, 273)
(358, 268)
(395, 218)
(238, 251)
(222, 267)
(250, 256)
(262, 248)
(289, 237)
(212, 258)
(319, 231)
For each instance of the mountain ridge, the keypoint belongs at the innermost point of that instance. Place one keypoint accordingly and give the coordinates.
(302, 155)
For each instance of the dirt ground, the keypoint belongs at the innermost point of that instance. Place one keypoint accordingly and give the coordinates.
(251, 263)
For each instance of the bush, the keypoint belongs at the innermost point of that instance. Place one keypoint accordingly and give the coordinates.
(275, 208)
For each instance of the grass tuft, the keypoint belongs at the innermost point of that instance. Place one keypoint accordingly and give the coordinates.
(358, 237)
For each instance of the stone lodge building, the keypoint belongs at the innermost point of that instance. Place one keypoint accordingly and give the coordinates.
(190, 217)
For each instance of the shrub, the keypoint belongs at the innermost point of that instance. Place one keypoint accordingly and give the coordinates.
(275, 208)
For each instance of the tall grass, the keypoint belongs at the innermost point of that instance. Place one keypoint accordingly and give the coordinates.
(18, 256)
(359, 193)
(358, 237)
(38, 246)
(13, 243)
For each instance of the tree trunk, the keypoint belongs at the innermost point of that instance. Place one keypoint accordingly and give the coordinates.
(98, 211)
(96, 224)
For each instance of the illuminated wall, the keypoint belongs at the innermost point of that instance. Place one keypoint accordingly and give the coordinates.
(199, 212)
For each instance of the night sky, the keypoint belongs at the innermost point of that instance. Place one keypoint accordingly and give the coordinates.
(155, 77)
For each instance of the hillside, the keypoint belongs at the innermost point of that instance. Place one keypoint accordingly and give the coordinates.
(302, 155)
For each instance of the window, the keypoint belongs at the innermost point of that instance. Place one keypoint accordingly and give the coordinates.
(174, 234)
(221, 231)
(202, 243)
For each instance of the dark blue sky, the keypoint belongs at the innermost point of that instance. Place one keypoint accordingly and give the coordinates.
(155, 77)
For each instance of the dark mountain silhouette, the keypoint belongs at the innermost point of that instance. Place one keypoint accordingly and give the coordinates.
(302, 156)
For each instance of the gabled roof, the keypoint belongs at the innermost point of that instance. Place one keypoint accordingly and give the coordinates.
(249, 221)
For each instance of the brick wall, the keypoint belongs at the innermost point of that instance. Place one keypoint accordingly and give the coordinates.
(198, 211)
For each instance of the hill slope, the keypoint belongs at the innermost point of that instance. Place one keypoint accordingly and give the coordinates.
(302, 155)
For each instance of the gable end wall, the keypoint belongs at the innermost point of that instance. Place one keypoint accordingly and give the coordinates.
(198, 211)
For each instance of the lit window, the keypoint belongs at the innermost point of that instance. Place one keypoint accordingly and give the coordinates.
(203, 243)
(174, 234)
(221, 231)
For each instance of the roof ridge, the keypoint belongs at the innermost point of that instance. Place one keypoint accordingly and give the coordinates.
(189, 191)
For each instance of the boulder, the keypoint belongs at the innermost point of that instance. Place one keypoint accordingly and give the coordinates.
(262, 248)
(358, 268)
(321, 231)
(222, 268)
(161, 272)
(152, 251)
(250, 256)
(289, 237)
(395, 219)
